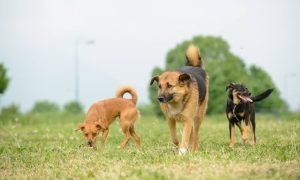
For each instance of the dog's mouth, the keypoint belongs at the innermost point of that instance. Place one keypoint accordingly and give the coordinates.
(245, 98)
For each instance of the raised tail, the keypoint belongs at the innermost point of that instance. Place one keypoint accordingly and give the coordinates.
(262, 95)
(127, 89)
(193, 56)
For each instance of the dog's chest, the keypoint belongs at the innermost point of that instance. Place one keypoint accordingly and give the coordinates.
(237, 112)
(174, 111)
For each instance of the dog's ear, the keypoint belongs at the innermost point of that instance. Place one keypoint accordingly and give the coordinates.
(80, 127)
(184, 77)
(155, 78)
(229, 86)
(100, 125)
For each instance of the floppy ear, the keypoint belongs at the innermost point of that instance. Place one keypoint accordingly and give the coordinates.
(80, 127)
(155, 78)
(184, 77)
(100, 125)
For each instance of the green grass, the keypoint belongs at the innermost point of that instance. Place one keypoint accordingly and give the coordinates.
(46, 146)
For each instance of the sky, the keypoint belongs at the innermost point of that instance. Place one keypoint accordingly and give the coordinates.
(37, 43)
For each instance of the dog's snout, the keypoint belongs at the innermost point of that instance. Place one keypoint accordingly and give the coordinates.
(90, 143)
(160, 98)
(165, 98)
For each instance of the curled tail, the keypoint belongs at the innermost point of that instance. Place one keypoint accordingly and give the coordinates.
(262, 95)
(193, 56)
(127, 89)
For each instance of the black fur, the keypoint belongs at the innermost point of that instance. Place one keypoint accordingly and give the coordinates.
(262, 95)
(200, 75)
(244, 111)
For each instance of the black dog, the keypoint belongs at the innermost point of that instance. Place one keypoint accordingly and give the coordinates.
(240, 108)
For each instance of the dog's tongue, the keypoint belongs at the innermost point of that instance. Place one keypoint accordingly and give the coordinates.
(245, 98)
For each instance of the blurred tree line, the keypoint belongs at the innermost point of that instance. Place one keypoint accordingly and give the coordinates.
(13, 113)
(223, 67)
(4, 80)
(44, 106)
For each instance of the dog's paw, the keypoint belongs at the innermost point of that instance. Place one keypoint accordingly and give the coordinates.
(231, 145)
(182, 151)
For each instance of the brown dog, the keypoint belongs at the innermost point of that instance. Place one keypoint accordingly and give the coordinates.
(183, 97)
(101, 114)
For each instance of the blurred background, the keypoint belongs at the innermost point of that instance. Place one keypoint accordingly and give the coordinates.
(55, 53)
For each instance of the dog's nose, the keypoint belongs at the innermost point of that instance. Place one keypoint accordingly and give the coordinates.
(160, 98)
(90, 143)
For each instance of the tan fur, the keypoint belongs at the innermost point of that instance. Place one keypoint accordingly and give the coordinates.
(184, 107)
(101, 114)
(236, 100)
(127, 89)
(193, 55)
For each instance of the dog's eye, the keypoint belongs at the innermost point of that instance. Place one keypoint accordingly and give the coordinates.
(86, 134)
(94, 134)
(159, 86)
(169, 85)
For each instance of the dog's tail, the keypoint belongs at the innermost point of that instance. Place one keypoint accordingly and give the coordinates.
(127, 89)
(193, 56)
(262, 95)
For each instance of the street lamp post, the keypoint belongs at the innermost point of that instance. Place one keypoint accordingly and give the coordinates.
(76, 56)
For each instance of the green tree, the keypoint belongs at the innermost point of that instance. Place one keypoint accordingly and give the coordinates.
(45, 106)
(73, 107)
(4, 80)
(10, 112)
(274, 102)
(222, 67)
(153, 92)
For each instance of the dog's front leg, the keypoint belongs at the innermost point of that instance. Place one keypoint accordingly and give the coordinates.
(231, 134)
(172, 127)
(104, 136)
(187, 129)
(239, 125)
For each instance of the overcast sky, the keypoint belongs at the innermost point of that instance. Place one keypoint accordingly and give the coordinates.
(37, 43)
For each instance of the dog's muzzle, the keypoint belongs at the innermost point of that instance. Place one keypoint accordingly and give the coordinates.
(90, 143)
(165, 98)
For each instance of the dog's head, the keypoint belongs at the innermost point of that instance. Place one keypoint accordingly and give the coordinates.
(90, 132)
(238, 93)
(172, 86)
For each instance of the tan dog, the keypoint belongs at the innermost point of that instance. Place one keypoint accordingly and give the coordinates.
(183, 97)
(101, 114)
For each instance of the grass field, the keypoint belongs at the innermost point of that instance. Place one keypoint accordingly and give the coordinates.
(46, 146)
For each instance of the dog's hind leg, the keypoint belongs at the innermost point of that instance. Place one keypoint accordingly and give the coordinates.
(127, 119)
(252, 125)
(136, 137)
(125, 128)
(197, 124)
(199, 118)
(245, 130)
